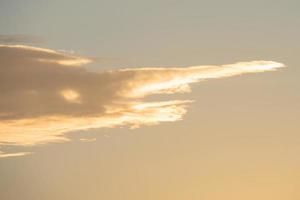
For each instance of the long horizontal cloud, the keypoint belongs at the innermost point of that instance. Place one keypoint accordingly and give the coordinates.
(47, 93)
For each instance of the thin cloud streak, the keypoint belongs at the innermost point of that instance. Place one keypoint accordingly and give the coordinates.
(48, 93)
(6, 155)
(87, 139)
(19, 38)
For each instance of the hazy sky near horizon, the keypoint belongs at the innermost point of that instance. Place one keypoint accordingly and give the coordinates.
(239, 138)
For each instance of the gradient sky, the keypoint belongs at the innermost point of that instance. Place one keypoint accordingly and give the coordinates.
(239, 138)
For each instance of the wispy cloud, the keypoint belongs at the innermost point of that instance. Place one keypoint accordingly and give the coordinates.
(47, 93)
(19, 38)
(6, 155)
(87, 139)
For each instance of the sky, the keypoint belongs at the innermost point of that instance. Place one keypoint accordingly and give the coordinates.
(158, 100)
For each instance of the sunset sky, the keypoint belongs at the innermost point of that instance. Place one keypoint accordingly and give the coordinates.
(149, 100)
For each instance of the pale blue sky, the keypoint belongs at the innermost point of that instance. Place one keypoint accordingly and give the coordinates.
(156, 32)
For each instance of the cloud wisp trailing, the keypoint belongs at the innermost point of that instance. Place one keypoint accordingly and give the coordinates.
(46, 94)
(6, 155)
(19, 38)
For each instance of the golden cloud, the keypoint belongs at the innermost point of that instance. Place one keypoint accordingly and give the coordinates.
(46, 94)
